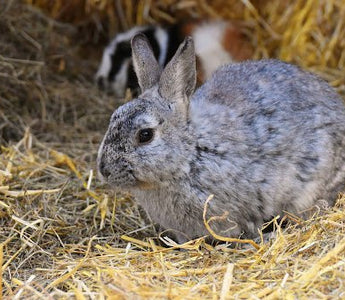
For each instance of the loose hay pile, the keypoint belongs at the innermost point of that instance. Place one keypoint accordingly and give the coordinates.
(65, 235)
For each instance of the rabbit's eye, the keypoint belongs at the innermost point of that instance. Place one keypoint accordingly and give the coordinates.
(145, 135)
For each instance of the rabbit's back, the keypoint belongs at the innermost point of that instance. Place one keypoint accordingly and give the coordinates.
(274, 132)
(270, 84)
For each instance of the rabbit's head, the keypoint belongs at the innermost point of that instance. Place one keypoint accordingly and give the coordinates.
(149, 141)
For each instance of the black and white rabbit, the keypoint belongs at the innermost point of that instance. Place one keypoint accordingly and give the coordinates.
(263, 137)
(216, 43)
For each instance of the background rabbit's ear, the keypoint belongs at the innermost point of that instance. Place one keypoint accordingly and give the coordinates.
(179, 76)
(145, 64)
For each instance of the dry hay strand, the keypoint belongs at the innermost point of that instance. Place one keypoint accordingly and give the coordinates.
(64, 235)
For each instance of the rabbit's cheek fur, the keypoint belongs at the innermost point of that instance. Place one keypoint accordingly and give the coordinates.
(162, 161)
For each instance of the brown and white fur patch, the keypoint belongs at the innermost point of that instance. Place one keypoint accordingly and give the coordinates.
(216, 43)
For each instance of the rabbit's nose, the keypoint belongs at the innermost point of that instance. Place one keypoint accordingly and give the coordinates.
(103, 169)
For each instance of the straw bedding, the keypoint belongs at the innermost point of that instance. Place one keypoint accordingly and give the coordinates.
(64, 235)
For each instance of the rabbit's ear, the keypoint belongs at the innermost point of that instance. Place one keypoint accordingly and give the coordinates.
(145, 64)
(178, 79)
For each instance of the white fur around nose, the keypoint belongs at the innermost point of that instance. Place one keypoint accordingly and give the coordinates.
(208, 39)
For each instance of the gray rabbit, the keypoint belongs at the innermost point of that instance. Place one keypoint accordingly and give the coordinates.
(263, 137)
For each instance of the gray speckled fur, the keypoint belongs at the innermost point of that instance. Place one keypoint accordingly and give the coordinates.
(263, 137)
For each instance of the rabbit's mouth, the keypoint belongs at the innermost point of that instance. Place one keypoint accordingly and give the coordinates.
(141, 184)
(128, 183)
